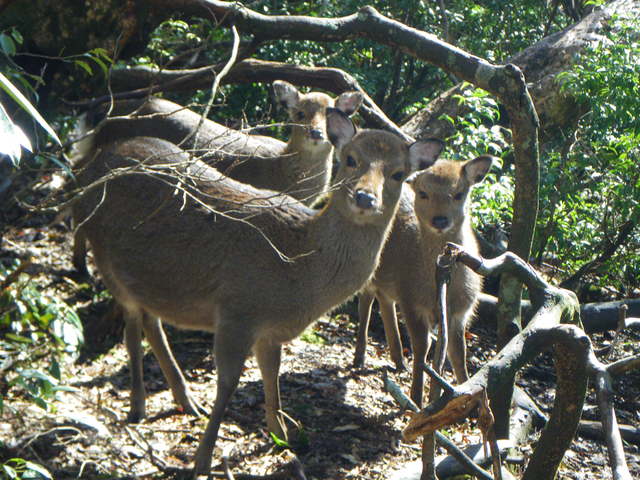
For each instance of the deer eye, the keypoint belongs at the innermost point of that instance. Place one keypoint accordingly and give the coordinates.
(458, 196)
(423, 194)
(398, 176)
(351, 162)
(300, 116)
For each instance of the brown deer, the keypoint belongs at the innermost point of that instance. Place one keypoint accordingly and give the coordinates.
(432, 212)
(199, 250)
(301, 167)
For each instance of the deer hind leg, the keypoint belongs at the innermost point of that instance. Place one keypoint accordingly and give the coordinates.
(179, 388)
(391, 331)
(133, 342)
(268, 355)
(365, 301)
(232, 345)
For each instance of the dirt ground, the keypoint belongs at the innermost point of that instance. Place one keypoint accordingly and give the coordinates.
(347, 426)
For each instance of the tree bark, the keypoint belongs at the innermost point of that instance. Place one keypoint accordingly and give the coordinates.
(555, 325)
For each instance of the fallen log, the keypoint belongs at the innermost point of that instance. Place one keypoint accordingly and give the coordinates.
(596, 317)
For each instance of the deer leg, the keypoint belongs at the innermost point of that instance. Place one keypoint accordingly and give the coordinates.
(232, 345)
(419, 334)
(268, 356)
(133, 342)
(391, 331)
(79, 258)
(365, 301)
(456, 348)
(179, 388)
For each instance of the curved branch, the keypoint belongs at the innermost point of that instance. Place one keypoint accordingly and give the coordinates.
(575, 363)
(140, 81)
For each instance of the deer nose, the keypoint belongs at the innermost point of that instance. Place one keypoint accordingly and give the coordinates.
(440, 222)
(365, 200)
(316, 134)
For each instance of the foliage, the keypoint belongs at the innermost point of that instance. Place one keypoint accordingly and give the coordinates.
(591, 181)
(478, 132)
(310, 336)
(12, 137)
(18, 468)
(397, 82)
(38, 332)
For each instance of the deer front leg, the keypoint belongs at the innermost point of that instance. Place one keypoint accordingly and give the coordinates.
(365, 301)
(268, 355)
(391, 331)
(419, 333)
(232, 345)
(456, 348)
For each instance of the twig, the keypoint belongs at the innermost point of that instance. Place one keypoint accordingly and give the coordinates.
(463, 459)
(604, 393)
(142, 442)
(486, 424)
(624, 365)
(216, 84)
(442, 382)
(444, 263)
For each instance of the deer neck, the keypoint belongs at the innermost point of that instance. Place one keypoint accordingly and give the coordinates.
(349, 251)
(306, 165)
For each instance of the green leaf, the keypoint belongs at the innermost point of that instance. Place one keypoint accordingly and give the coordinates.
(278, 441)
(38, 375)
(41, 403)
(54, 369)
(85, 66)
(18, 338)
(21, 100)
(12, 138)
(17, 36)
(39, 469)
(7, 45)
(102, 65)
(8, 471)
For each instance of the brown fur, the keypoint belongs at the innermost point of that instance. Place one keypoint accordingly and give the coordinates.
(166, 256)
(301, 167)
(406, 274)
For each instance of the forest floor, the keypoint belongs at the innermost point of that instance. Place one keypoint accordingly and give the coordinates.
(348, 426)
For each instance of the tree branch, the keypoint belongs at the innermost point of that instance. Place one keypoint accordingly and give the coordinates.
(142, 81)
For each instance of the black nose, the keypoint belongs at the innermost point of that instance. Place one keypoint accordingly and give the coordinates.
(316, 134)
(365, 200)
(440, 222)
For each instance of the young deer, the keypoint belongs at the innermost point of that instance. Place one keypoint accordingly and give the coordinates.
(167, 255)
(432, 212)
(301, 167)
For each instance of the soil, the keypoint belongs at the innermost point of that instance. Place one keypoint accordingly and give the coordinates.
(343, 424)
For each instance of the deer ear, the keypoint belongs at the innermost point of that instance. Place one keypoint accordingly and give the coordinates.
(424, 153)
(286, 94)
(340, 128)
(349, 102)
(476, 169)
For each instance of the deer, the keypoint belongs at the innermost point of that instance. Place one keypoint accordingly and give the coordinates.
(199, 250)
(433, 210)
(301, 167)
